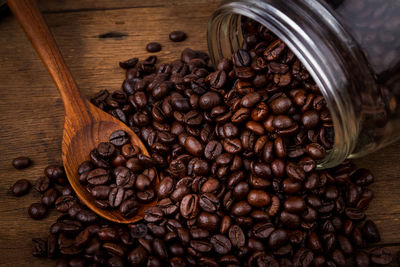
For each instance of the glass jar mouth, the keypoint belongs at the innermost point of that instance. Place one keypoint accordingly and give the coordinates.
(322, 60)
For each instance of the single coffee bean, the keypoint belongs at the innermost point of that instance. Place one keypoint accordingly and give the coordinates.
(129, 208)
(294, 204)
(119, 138)
(371, 232)
(20, 187)
(177, 36)
(381, 256)
(258, 198)
(42, 184)
(98, 176)
(63, 203)
(237, 236)
(21, 163)
(49, 197)
(37, 211)
(189, 206)
(208, 221)
(221, 244)
(241, 208)
(153, 47)
(361, 259)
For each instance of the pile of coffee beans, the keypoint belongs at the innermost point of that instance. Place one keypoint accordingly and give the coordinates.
(235, 150)
(118, 175)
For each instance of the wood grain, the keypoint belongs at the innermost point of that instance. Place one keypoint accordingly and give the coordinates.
(31, 112)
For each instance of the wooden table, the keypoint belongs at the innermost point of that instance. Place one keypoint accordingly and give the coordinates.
(32, 114)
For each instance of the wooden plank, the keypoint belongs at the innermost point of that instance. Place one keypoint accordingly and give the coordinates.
(49, 6)
(31, 111)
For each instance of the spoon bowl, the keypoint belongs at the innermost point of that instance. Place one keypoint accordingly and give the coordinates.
(76, 146)
(85, 125)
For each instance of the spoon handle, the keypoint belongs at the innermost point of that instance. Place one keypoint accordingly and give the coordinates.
(35, 27)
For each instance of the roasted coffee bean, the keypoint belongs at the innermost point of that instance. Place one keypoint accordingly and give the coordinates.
(371, 232)
(138, 256)
(258, 198)
(241, 58)
(177, 36)
(381, 256)
(274, 50)
(263, 230)
(277, 238)
(153, 47)
(208, 221)
(37, 211)
(130, 63)
(209, 100)
(241, 208)
(129, 208)
(39, 247)
(42, 184)
(98, 176)
(189, 206)
(294, 204)
(49, 197)
(237, 236)
(20, 187)
(361, 259)
(105, 149)
(63, 203)
(21, 163)
(221, 244)
(119, 138)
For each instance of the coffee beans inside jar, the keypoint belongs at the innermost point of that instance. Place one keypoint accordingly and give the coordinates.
(236, 150)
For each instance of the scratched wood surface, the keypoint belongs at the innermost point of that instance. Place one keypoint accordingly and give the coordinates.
(31, 112)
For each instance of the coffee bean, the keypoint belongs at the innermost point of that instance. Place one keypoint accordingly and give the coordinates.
(37, 211)
(315, 151)
(208, 221)
(294, 204)
(49, 197)
(130, 63)
(221, 244)
(119, 138)
(361, 259)
(236, 235)
(129, 208)
(189, 206)
(258, 198)
(241, 58)
(371, 232)
(277, 238)
(209, 100)
(250, 99)
(138, 256)
(21, 163)
(98, 176)
(381, 256)
(20, 187)
(177, 36)
(241, 208)
(42, 184)
(153, 47)
(63, 203)
(263, 230)
(193, 146)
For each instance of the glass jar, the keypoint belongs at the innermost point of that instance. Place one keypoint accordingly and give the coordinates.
(350, 47)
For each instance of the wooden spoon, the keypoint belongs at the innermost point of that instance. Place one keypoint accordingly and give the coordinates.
(85, 125)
